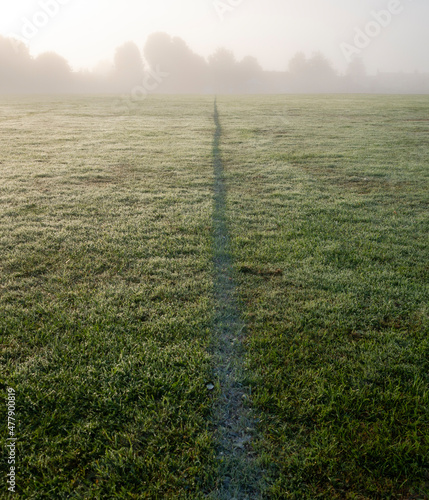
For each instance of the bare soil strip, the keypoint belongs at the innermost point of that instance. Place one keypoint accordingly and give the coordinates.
(234, 421)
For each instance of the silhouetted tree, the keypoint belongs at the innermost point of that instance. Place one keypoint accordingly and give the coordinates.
(250, 67)
(250, 73)
(16, 66)
(187, 71)
(298, 64)
(52, 73)
(159, 51)
(315, 74)
(320, 66)
(322, 74)
(356, 77)
(224, 70)
(128, 66)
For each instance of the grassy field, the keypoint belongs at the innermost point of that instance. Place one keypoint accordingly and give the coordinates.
(328, 214)
(106, 296)
(108, 293)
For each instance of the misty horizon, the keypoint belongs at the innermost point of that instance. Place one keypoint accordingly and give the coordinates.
(166, 64)
(216, 46)
(389, 35)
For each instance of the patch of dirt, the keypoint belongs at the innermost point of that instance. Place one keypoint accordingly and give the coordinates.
(260, 272)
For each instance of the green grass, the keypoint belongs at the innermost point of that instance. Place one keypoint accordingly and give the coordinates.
(108, 301)
(106, 296)
(328, 213)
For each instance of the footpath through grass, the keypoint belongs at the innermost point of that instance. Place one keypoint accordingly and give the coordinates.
(106, 296)
(234, 422)
(328, 216)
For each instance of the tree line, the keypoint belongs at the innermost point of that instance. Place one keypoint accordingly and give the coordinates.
(166, 64)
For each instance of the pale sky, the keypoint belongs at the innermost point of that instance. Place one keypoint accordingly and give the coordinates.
(87, 31)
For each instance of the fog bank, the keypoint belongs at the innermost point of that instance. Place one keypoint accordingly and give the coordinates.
(166, 64)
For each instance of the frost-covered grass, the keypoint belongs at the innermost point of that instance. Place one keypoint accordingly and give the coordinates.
(107, 299)
(106, 295)
(328, 214)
